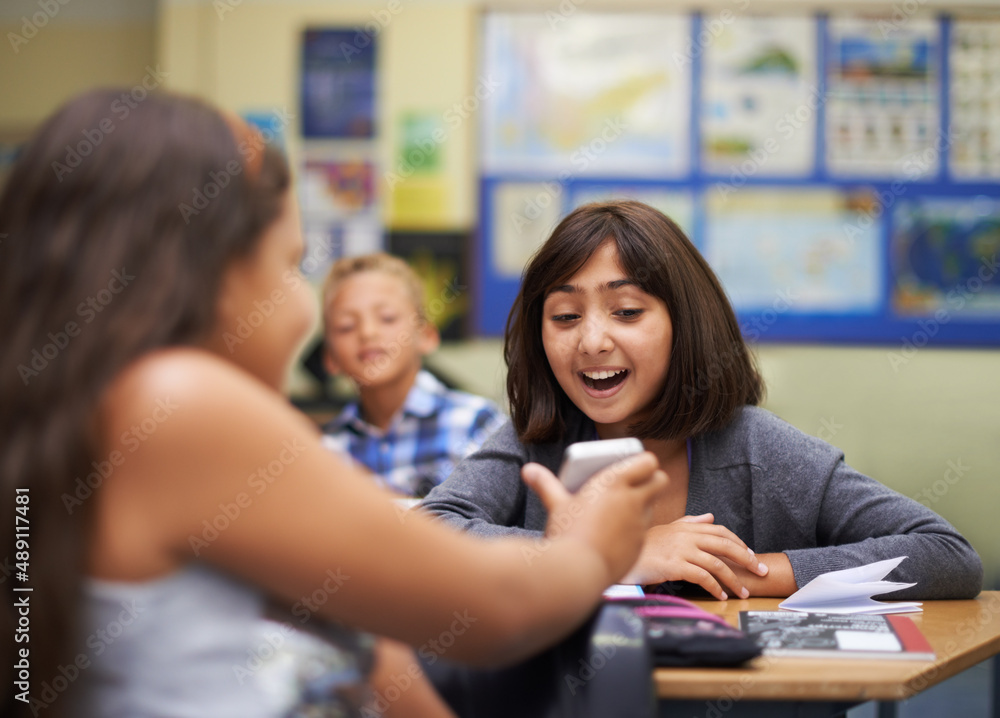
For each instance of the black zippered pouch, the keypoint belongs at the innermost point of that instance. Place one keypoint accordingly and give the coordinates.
(680, 633)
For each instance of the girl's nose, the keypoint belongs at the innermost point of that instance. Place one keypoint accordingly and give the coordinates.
(594, 337)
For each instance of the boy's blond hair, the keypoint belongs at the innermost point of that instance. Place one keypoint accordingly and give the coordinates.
(375, 262)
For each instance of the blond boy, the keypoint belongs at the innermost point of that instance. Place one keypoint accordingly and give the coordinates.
(406, 426)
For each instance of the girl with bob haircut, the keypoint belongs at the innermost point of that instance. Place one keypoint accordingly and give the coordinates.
(194, 550)
(621, 328)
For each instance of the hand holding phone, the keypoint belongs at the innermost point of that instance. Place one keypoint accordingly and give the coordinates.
(585, 458)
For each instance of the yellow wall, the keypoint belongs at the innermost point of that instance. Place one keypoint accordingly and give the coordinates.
(247, 59)
(64, 58)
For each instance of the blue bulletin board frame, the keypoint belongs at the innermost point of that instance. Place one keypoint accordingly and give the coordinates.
(496, 290)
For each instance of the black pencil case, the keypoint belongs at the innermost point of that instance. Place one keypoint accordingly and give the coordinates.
(680, 633)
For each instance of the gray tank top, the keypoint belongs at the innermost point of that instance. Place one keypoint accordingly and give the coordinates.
(199, 643)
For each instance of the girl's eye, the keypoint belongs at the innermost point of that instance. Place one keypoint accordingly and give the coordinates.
(564, 317)
(389, 318)
(629, 313)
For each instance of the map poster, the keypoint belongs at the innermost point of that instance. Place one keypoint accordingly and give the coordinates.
(587, 94)
(796, 251)
(945, 254)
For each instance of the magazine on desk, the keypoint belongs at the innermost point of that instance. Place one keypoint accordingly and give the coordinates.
(828, 635)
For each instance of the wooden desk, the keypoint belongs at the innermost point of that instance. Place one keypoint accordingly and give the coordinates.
(962, 633)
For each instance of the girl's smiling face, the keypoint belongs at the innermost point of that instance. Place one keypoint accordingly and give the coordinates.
(608, 343)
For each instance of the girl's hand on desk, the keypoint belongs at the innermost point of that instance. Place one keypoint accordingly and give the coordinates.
(695, 549)
(609, 514)
(778, 582)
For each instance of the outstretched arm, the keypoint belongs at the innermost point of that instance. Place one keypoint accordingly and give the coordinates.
(236, 477)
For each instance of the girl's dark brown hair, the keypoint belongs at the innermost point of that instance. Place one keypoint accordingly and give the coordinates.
(115, 232)
(712, 372)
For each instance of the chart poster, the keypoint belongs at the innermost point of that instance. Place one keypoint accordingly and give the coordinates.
(796, 251)
(883, 98)
(677, 204)
(760, 97)
(338, 84)
(587, 94)
(974, 79)
(945, 254)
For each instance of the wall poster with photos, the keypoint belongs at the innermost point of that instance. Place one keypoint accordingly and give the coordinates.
(841, 173)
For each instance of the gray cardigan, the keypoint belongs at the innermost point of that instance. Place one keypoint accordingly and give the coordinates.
(775, 487)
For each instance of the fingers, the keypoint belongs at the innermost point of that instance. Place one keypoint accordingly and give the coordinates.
(700, 519)
(729, 545)
(544, 483)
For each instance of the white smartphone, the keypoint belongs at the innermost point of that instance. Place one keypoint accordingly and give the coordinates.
(585, 458)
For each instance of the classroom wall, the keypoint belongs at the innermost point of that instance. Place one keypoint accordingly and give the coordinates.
(927, 424)
(42, 65)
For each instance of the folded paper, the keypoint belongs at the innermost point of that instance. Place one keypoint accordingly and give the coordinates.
(851, 591)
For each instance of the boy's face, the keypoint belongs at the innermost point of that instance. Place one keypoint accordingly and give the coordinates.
(374, 333)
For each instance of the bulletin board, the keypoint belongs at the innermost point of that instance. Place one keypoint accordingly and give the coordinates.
(841, 173)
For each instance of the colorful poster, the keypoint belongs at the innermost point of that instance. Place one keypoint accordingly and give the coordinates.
(760, 97)
(974, 74)
(338, 83)
(337, 187)
(945, 255)
(883, 98)
(439, 259)
(582, 94)
(340, 215)
(796, 251)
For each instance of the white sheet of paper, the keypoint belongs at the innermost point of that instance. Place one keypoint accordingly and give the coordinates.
(850, 591)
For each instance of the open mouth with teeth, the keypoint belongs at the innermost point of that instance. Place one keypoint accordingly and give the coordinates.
(604, 380)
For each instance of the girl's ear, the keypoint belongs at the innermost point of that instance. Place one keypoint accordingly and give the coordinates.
(429, 338)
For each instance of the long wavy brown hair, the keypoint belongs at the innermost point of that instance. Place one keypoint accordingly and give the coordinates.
(115, 230)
